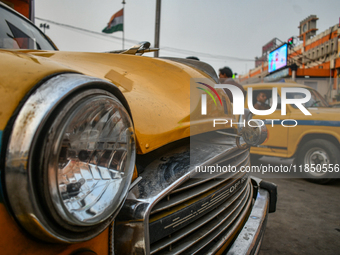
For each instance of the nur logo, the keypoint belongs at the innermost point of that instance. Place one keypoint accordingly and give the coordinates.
(238, 98)
(204, 97)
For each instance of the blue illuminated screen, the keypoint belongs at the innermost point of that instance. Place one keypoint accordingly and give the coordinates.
(277, 58)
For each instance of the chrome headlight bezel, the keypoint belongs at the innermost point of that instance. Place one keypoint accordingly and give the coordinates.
(244, 118)
(25, 182)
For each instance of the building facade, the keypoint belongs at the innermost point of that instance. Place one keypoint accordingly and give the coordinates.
(315, 62)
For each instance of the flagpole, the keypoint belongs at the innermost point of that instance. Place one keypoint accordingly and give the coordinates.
(123, 21)
(157, 26)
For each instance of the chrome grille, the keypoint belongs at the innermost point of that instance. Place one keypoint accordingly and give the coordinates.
(201, 210)
(174, 210)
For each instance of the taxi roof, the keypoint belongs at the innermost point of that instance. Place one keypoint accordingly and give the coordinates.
(275, 84)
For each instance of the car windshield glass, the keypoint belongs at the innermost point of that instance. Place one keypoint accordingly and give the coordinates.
(316, 99)
(17, 33)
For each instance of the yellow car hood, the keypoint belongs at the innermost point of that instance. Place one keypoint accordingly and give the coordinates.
(157, 90)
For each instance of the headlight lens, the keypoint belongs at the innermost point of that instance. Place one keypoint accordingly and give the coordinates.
(89, 153)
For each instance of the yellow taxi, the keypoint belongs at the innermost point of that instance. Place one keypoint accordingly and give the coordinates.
(312, 139)
(99, 152)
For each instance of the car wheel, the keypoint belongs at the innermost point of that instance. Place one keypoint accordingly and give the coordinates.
(317, 152)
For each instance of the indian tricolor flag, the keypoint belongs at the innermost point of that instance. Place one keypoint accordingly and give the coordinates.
(116, 23)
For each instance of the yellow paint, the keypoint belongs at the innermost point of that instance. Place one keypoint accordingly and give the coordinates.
(16, 241)
(13, 87)
(158, 91)
(119, 80)
(135, 174)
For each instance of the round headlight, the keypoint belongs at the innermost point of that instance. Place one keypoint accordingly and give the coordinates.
(70, 159)
(87, 156)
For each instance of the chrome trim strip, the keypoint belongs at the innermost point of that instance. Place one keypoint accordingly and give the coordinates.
(20, 185)
(132, 222)
(233, 223)
(201, 221)
(193, 211)
(111, 239)
(258, 247)
(197, 181)
(134, 183)
(180, 198)
(251, 235)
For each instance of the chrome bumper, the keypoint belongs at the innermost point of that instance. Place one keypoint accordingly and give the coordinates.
(250, 237)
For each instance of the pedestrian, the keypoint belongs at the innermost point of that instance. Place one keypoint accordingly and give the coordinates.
(226, 77)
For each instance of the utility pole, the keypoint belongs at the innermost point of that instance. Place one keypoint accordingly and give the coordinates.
(157, 27)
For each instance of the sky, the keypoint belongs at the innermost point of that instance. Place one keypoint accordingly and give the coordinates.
(219, 32)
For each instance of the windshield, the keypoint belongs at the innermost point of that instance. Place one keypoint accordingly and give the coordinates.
(316, 99)
(17, 33)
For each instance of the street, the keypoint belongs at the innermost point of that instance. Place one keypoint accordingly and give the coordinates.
(307, 217)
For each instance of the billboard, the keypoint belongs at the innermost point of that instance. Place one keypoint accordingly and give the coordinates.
(277, 59)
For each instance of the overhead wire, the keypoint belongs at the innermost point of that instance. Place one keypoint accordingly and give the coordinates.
(207, 55)
(165, 48)
(85, 30)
